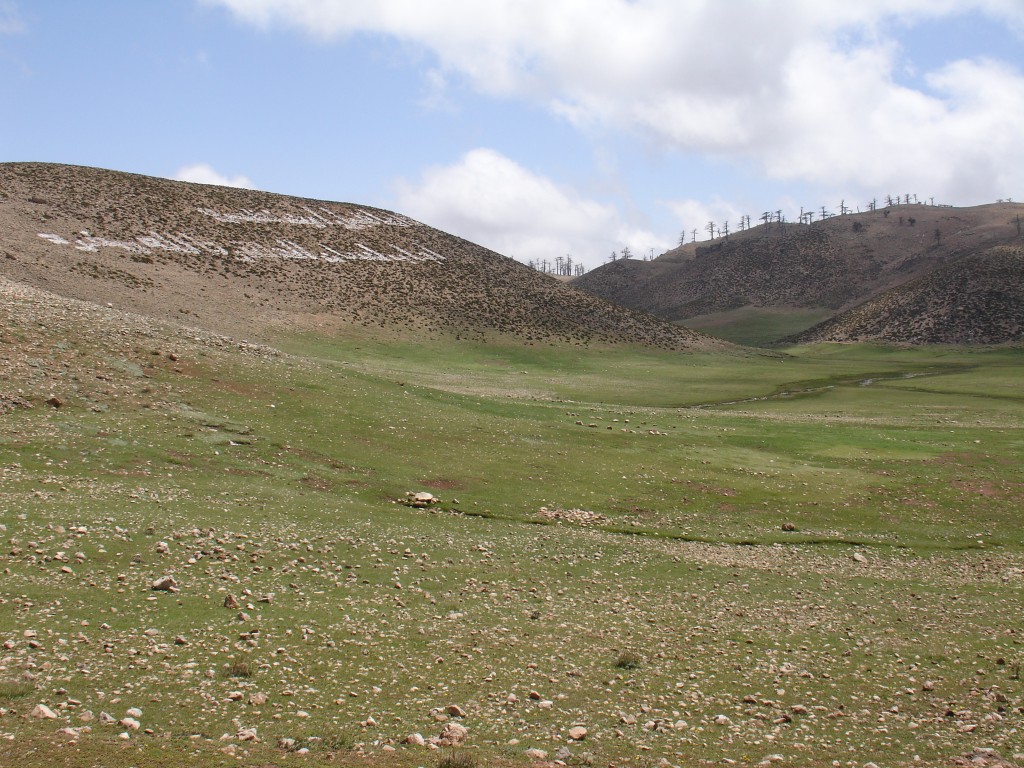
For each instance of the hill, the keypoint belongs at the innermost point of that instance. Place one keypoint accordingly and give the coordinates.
(210, 557)
(809, 271)
(245, 262)
(211, 554)
(976, 299)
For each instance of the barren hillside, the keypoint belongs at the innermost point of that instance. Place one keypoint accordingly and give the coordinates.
(830, 265)
(253, 263)
(978, 299)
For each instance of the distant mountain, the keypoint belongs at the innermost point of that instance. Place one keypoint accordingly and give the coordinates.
(811, 270)
(976, 299)
(254, 263)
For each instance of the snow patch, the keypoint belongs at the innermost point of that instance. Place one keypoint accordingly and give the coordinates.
(321, 218)
(241, 251)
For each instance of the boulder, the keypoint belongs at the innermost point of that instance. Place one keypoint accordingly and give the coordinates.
(452, 735)
(165, 584)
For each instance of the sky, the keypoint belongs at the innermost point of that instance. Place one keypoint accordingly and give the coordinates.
(538, 128)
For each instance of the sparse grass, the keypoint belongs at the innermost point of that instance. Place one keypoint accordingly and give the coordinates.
(240, 667)
(381, 614)
(629, 660)
(457, 758)
(11, 690)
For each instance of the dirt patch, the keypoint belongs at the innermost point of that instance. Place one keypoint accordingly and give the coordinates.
(980, 487)
(318, 483)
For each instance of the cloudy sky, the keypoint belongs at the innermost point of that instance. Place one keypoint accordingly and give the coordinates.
(539, 128)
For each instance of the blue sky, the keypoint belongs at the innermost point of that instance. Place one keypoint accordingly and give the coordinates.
(539, 128)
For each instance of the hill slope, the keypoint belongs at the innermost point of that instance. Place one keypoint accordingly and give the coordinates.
(977, 299)
(828, 266)
(246, 262)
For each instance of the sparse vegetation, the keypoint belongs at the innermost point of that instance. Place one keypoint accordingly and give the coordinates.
(11, 690)
(824, 268)
(629, 660)
(240, 667)
(883, 626)
(457, 758)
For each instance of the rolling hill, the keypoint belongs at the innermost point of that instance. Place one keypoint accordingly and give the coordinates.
(977, 299)
(810, 272)
(251, 263)
(362, 545)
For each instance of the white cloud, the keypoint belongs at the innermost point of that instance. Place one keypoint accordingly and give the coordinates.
(11, 22)
(696, 214)
(804, 89)
(489, 199)
(201, 173)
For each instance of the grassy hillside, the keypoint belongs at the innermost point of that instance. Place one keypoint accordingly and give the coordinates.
(815, 555)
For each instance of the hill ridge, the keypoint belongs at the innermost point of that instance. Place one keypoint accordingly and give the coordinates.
(826, 267)
(246, 261)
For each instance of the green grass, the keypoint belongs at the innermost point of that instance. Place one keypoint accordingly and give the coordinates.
(11, 690)
(756, 326)
(279, 482)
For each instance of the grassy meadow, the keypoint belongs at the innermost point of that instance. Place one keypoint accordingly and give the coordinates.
(802, 557)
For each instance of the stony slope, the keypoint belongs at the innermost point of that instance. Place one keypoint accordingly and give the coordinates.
(977, 299)
(833, 265)
(253, 263)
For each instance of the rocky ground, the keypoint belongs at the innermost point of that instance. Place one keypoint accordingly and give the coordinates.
(244, 262)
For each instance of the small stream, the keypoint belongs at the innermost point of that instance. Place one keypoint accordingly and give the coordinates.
(785, 394)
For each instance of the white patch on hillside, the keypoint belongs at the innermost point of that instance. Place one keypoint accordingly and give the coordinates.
(320, 219)
(55, 239)
(242, 251)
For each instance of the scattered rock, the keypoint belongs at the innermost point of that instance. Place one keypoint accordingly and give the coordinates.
(577, 733)
(577, 516)
(452, 735)
(165, 584)
(536, 754)
(420, 499)
(43, 712)
(859, 558)
(415, 739)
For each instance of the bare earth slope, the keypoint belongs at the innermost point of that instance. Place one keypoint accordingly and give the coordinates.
(253, 263)
(830, 265)
(978, 299)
